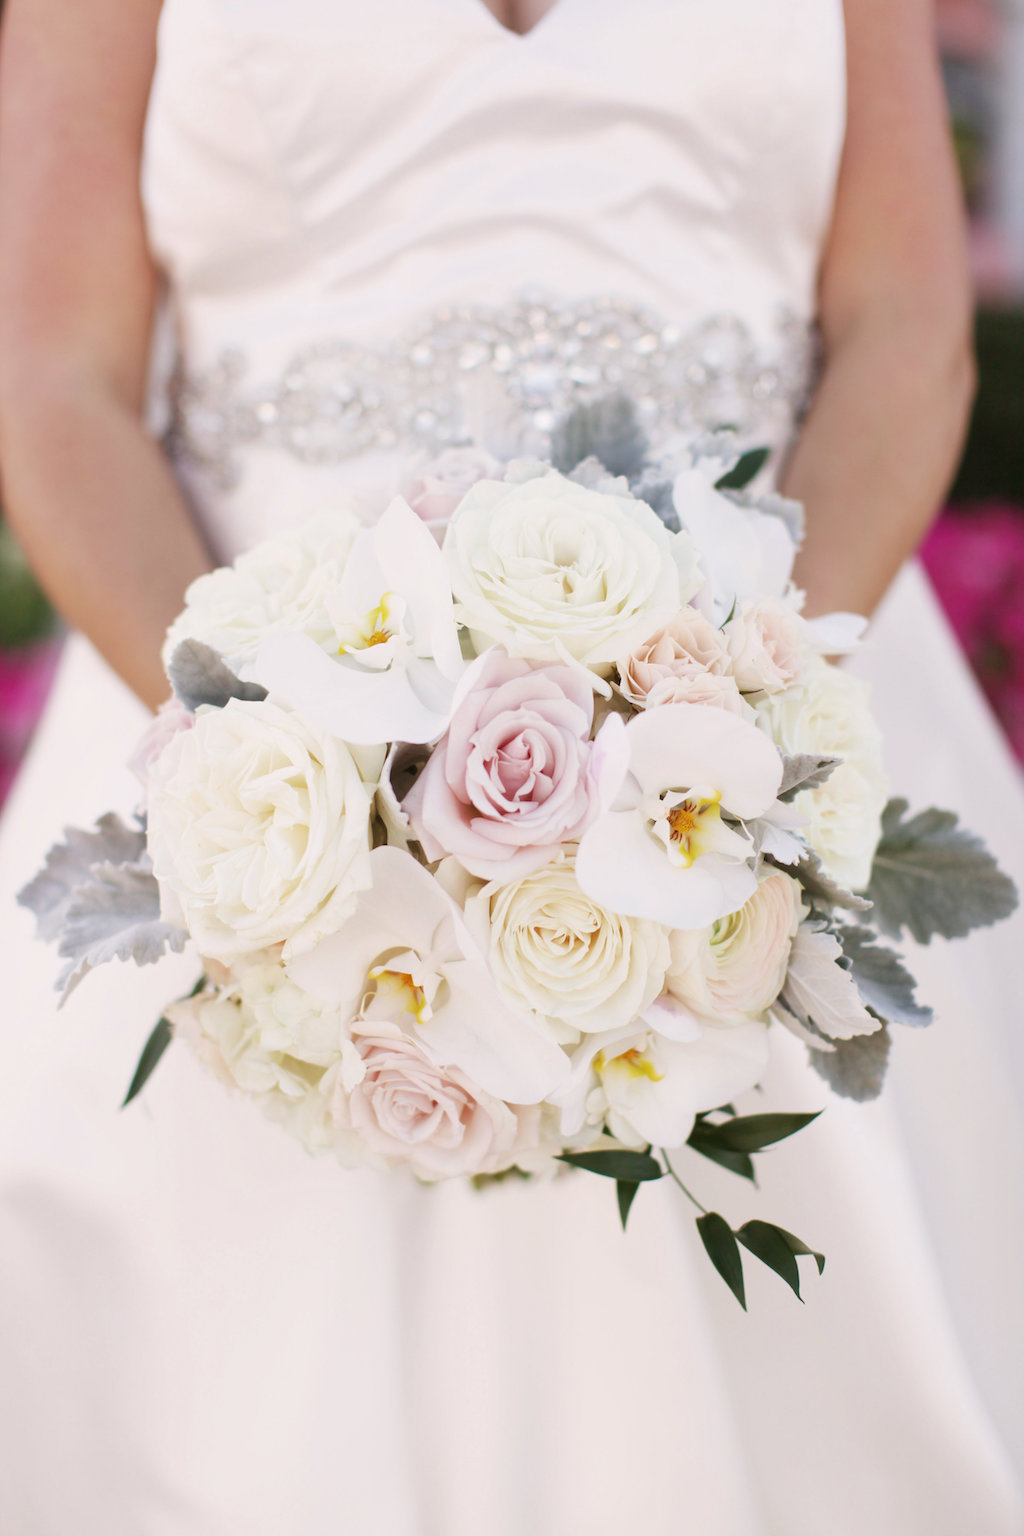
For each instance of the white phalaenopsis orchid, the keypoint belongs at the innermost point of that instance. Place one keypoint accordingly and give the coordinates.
(650, 1089)
(398, 646)
(660, 848)
(404, 965)
(743, 552)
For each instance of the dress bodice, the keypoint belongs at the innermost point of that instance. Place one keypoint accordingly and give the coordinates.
(366, 214)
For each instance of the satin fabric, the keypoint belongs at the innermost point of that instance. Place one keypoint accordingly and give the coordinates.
(203, 1330)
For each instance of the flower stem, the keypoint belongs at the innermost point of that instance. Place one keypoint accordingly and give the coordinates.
(673, 1175)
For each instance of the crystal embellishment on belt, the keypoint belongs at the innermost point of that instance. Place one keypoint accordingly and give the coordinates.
(502, 377)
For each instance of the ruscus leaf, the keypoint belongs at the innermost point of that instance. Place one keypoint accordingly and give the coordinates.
(617, 1163)
(778, 1249)
(747, 467)
(723, 1250)
(625, 1190)
(726, 1157)
(154, 1048)
(750, 1133)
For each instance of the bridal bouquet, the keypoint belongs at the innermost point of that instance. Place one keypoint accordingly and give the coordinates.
(508, 824)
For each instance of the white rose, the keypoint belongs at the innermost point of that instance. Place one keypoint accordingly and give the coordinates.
(548, 569)
(828, 713)
(283, 584)
(768, 646)
(554, 950)
(735, 969)
(258, 830)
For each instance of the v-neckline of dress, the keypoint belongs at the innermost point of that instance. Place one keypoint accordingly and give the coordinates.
(513, 37)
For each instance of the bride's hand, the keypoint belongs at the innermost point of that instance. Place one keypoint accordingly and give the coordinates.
(886, 428)
(89, 494)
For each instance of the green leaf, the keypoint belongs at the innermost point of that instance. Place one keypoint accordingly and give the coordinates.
(617, 1163)
(152, 1051)
(749, 1133)
(723, 1250)
(726, 1157)
(626, 1190)
(882, 979)
(778, 1249)
(931, 877)
(744, 470)
(855, 1069)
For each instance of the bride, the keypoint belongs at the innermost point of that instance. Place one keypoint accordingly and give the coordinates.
(362, 231)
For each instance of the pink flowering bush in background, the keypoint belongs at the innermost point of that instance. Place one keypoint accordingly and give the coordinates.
(25, 677)
(975, 560)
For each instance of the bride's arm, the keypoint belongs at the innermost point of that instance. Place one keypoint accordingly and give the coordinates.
(89, 495)
(884, 433)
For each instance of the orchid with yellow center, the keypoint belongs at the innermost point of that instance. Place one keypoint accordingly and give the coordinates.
(404, 967)
(398, 657)
(662, 848)
(648, 1089)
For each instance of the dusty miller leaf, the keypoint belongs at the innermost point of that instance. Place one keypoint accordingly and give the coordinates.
(69, 866)
(115, 917)
(825, 894)
(805, 770)
(856, 1068)
(605, 429)
(931, 877)
(883, 980)
(818, 989)
(199, 676)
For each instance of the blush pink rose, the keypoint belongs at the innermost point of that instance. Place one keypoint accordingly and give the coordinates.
(705, 688)
(689, 647)
(435, 487)
(767, 646)
(407, 1109)
(511, 781)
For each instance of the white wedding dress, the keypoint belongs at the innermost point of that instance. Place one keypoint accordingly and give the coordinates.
(204, 1332)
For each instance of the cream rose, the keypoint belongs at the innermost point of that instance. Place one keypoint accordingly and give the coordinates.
(735, 969)
(550, 569)
(406, 1109)
(258, 830)
(768, 646)
(688, 647)
(560, 954)
(282, 585)
(828, 713)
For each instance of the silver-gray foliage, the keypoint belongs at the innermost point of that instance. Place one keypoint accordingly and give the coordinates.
(199, 676)
(606, 429)
(805, 770)
(69, 866)
(856, 1068)
(115, 916)
(931, 877)
(882, 979)
(824, 893)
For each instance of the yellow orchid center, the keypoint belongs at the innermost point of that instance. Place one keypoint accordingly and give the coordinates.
(376, 627)
(632, 1062)
(400, 990)
(689, 824)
